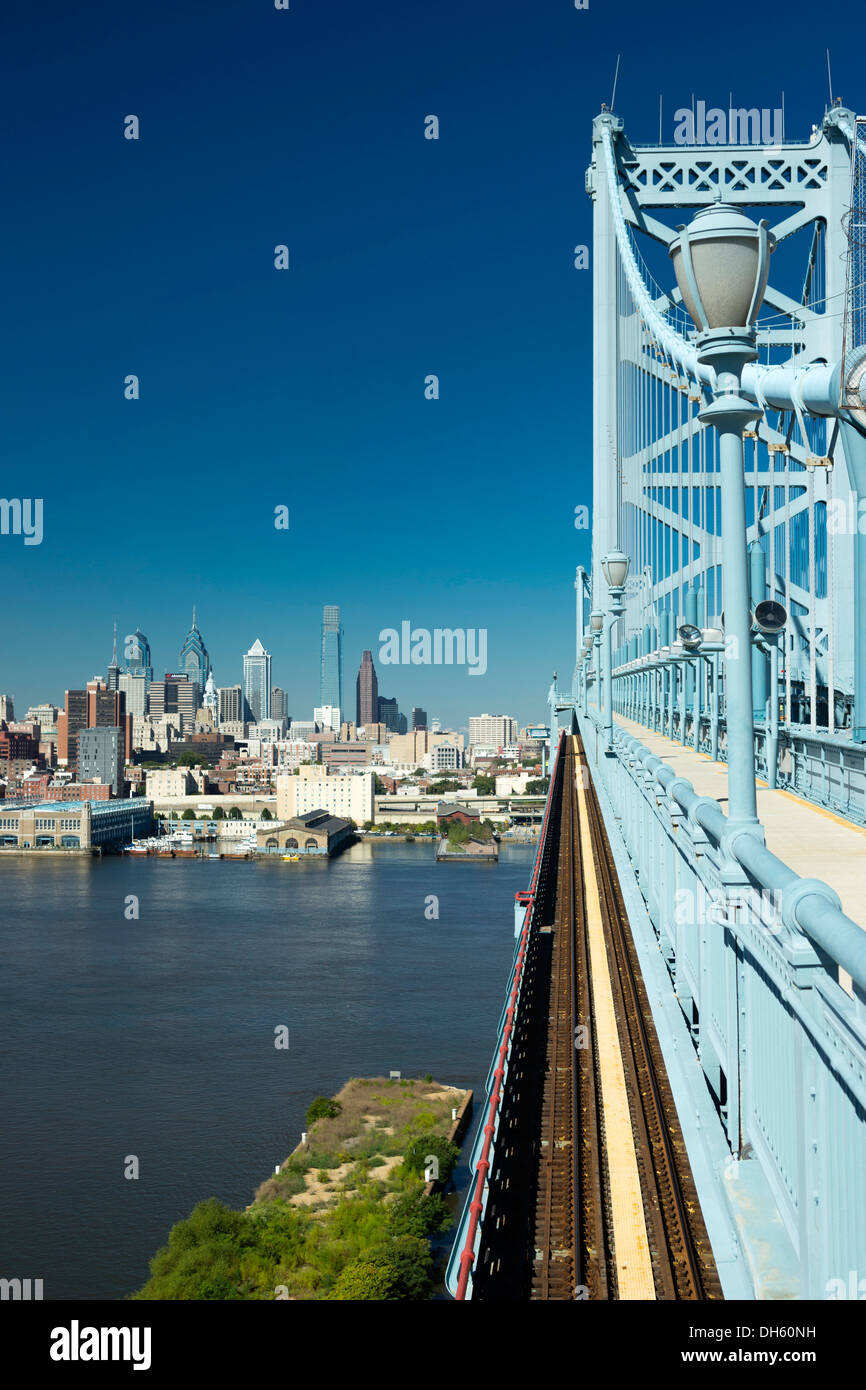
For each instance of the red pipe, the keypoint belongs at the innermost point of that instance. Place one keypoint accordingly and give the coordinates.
(467, 1257)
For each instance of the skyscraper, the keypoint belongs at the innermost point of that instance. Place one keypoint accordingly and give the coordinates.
(389, 715)
(279, 703)
(230, 704)
(367, 692)
(419, 717)
(332, 657)
(257, 683)
(194, 659)
(136, 656)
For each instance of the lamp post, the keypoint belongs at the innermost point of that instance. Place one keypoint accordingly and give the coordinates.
(585, 665)
(722, 262)
(596, 622)
(615, 569)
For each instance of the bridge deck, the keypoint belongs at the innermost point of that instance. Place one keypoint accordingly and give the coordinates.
(813, 841)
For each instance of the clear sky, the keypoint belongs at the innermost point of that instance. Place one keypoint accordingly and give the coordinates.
(304, 388)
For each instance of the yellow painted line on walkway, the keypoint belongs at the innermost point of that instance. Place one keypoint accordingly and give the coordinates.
(630, 1242)
(821, 811)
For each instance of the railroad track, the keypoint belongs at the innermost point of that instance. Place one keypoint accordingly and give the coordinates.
(616, 1210)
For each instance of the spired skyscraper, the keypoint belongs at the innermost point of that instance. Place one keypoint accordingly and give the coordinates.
(194, 659)
(257, 684)
(367, 692)
(332, 658)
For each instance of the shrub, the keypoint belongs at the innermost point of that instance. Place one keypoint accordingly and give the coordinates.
(323, 1108)
(416, 1214)
(408, 1262)
(362, 1280)
(442, 1149)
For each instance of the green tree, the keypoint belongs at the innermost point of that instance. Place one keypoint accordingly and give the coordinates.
(407, 1261)
(234, 814)
(485, 786)
(379, 788)
(538, 788)
(416, 1214)
(189, 759)
(362, 1280)
(443, 1150)
(266, 815)
(323, 1108)
(189, 814)
(219, 813)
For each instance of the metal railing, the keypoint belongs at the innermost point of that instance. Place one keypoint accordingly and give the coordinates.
(458, 1279)
(754, 952)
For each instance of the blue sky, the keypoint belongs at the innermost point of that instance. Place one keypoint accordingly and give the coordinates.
(305, 388)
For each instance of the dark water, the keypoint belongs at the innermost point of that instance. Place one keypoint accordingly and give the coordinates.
(155, 1037)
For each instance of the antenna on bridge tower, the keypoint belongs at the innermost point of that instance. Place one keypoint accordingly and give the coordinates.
(615, 76)
(829, 77)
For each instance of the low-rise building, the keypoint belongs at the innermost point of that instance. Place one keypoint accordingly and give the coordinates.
(313, 832)
(315, 789)
(167, 783)
(80, 825)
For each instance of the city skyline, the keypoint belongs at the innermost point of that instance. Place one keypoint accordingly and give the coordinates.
(135, 654)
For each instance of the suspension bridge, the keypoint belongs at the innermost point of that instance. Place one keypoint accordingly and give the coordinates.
(676, 1106)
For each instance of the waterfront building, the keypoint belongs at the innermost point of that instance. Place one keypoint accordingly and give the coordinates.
(194, 659)
(311, 832)
(101, 757)
(331, 686)
(257, 683)
(75, 825)
(367, 692)
(492, 730)
(314, 788)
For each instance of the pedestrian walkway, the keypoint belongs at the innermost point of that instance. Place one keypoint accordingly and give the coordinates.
(811, 840)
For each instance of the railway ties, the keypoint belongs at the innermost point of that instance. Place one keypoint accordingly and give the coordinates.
(616, 1212)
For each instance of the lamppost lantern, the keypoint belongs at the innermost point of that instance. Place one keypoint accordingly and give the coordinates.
(722, 262)
(596, 619)
(690, 636)
(615, 566)
(769, 616)
(587, 640)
